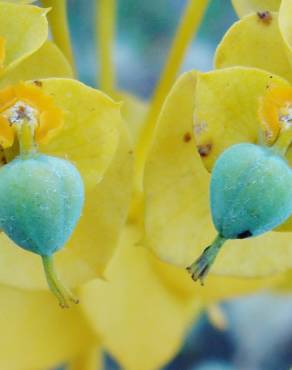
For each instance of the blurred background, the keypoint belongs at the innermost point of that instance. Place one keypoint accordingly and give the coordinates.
(259, 332)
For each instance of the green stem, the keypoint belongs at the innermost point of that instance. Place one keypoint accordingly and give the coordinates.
(63, 295)
(200, 268)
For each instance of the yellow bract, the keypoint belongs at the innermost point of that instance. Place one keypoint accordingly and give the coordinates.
(18, 25)
(251, 42)
(226, 108)
(2, 51)
(127, 309)
(217, 288)
(244, 7)
(178, 222)
(286, 26)
(142, 293)
(45, 62)
(47, 336)
(134, 111)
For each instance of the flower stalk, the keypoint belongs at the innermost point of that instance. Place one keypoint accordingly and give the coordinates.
(105, 31)
(57, 17)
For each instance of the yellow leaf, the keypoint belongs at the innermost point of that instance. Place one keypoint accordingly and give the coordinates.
(244, 7)
(252, 42)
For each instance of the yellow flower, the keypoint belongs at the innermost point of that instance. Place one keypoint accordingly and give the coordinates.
(91, 133)
(158, 294)
(140, 293)
(216, 110)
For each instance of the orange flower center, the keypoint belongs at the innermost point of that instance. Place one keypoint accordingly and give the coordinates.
(25, 104)
(276, 112)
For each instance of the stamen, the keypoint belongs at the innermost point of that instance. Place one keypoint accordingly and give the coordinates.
(285, 117)
(27, 105)
(21, 112)
(275, 113)
(200, 268)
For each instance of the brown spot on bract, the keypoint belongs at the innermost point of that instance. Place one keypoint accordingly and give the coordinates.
(38, 83)
(204, 150)
(265, 17)
(187, 137)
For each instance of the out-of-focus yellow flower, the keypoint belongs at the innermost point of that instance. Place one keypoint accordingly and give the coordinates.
(141, 294)
(127, 309)
(37, 334)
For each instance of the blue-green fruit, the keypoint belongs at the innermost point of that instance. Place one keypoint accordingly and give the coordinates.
(251, 191)
(41, 199)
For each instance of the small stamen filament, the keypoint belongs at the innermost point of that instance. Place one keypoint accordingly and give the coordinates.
(63, 295)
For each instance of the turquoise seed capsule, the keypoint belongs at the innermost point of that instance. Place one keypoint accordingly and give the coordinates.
(41, 200)
(251, 193)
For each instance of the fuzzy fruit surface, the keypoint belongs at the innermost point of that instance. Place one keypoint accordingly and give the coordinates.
(41, 201)
(251, 191)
